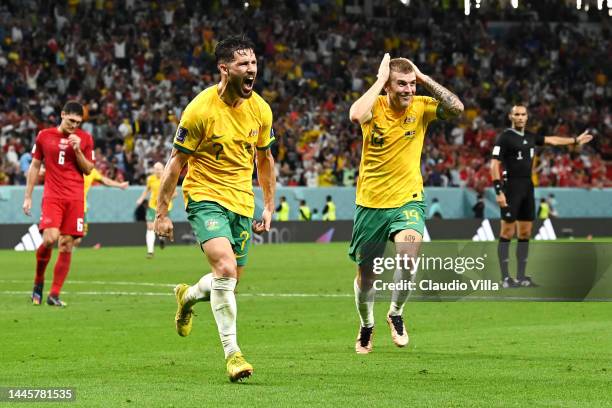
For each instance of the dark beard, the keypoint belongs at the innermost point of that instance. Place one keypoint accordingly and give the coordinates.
(236, 87)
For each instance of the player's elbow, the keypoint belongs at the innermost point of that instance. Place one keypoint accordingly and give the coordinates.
(460, 108)
(457, 109)
(354, 115)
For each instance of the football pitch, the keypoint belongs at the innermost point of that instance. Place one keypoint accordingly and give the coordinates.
(116, 345)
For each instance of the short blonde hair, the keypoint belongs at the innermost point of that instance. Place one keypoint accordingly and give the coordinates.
(400, 65)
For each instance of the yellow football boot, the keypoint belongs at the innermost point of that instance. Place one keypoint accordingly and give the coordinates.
(183, 313)
(237, 367)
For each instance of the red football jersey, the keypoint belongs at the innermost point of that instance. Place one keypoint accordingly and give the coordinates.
(63, 177)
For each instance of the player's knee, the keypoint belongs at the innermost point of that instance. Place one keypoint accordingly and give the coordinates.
(65, 246)
(365, 277)
(226, 267)
(49, 240)
(507, 232)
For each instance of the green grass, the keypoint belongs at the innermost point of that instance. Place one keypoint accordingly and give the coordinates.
(122, 350)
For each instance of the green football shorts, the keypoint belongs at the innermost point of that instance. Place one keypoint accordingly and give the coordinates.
(373, 227)
(211, 220)
(150, 217)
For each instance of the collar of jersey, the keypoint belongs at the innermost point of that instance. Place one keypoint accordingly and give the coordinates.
(517, 132)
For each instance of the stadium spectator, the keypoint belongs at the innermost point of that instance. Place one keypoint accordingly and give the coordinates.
(308, 78)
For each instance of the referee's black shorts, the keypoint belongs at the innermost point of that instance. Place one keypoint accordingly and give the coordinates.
(520, 198)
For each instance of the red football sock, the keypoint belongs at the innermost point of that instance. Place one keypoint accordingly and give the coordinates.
(62, 266)
(43, 254)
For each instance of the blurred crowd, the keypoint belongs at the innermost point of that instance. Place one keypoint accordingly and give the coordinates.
(136, 64)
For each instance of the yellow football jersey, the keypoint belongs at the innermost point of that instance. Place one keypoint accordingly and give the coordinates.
(222, 142)
(390, 169)
(153, 183)
(88, 180)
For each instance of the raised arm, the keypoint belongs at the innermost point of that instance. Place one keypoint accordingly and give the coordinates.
(361, 109)
(583, 138)
(267, 181)
(172, 171)
(450, 103)
(30, 181)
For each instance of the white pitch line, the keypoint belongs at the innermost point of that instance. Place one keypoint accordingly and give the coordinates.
(287, 295)
(112, 283)
(323, 295)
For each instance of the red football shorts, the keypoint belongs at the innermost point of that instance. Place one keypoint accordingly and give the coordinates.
(67, 215)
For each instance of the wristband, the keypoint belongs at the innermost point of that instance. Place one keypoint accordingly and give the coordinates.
(575, 140)
(497, 186)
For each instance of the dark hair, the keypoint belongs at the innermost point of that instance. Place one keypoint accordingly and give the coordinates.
(329, 198)
(73, 107)
(225, 49)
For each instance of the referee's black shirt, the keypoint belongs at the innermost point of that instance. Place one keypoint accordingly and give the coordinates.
(516, 150)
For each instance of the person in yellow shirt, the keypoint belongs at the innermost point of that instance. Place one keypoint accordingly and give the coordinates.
(390, 202)
(152, 188)
(304, 211)
(329, 211)
(283, 209)
(222, 132)
(88, 180)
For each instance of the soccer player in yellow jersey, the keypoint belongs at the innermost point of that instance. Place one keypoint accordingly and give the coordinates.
(152, 188)
(390, 203)
(88, 180)
(221, 133)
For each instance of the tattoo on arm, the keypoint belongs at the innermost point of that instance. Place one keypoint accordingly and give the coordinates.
(449, 101)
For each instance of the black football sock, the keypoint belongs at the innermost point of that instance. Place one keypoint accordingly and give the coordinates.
(522, 253)
(503, 250)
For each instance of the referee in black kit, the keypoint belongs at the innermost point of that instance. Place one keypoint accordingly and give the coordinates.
(514, 149)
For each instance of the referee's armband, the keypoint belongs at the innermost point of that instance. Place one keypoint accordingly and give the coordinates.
(497, 185)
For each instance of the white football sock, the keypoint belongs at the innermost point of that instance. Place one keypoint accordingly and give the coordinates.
(200, 292)
(399, 297)
(150, 236)
(364, 300)
(223, 305)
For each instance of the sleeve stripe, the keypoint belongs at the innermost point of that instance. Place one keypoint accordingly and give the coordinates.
(182, 148)
(440, 112)
(268, 145)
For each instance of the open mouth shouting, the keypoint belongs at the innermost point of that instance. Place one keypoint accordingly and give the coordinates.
(247, 84)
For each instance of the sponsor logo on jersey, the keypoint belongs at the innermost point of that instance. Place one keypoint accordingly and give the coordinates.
(212, 225)
(409, 120)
